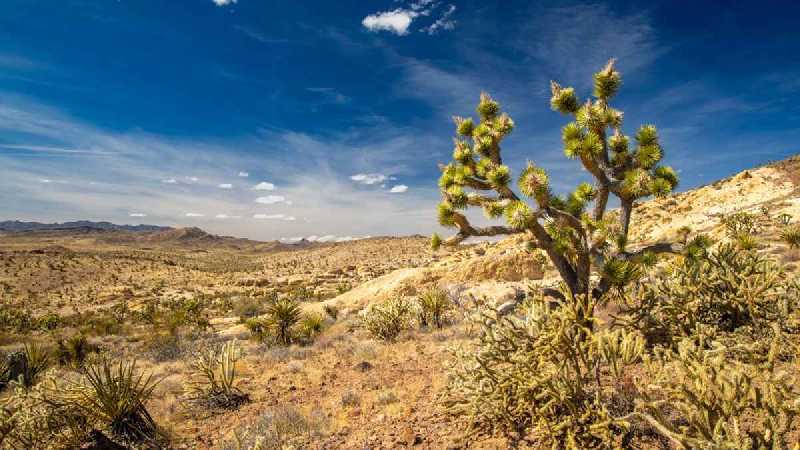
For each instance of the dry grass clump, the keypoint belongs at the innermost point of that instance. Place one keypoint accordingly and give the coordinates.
(279, 428)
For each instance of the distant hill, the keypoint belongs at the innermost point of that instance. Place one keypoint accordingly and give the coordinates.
(19, 226)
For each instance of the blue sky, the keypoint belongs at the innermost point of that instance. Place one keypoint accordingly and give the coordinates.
(276, 119)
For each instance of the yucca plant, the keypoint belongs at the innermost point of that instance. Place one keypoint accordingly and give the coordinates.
(213, 378)
(115, 394)
(34, 361)
(435, 305)
(784, 219)
(311, 325)
(73, 350)
(791, 236)
(284, 314)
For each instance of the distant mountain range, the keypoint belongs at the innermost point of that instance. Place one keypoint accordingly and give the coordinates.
(18, 226)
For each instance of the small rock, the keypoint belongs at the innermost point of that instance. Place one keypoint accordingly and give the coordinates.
(364, 366)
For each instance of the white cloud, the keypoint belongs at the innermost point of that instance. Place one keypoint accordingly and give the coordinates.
(193, 179)
(244, 174)
(272, 199)
(369, 178)
(170, 181)
(399, 21)
(45, 180)
(195, 215)
(137, 215)
(264, 186)
(226, 216)
(326, 238)
(223, 2)
(225, 186)
(399, 189)
(312, 238)
(274, 217)
(396, 21)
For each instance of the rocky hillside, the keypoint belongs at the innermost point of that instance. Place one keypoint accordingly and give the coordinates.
(500, 271)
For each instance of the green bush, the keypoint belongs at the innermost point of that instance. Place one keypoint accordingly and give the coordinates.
(283, 315)
(435, 306)
(387, 320)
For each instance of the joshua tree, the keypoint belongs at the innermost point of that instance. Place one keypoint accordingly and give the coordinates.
(575, 240)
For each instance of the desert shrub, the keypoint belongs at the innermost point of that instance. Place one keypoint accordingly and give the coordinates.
(213, 378)
(386, 398)
(740, 223)
(725, 290)
(15, 319)
(185, 312)
(435, 306)
(247, 308)
(350, 398)
(284, 315)
(388, 319)
(279, 428)
(260, 328)
(746, 242)
(164, 347)
(48, 322)
(74, 350)
(537, 375)
(311, 325)
(791, 236)
(699, 399)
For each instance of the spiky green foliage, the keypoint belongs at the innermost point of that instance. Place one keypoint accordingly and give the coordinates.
(435, 306)
(74, 350)
(283, 315)
(537, 375)
(116, 394)
(35, 361)
(213, 378)
(436, 241)
(388, 319)
(791, 236)
(720, 404)
(311, 325)
(726, 289)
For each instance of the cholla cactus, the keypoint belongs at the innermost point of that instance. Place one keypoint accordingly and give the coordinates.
(538, 375)
(388, 319)
(726, 290)
(722, 404)
(573, 238)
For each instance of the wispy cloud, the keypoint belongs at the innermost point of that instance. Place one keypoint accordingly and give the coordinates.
(330, 94)
(399, 189)
(225, 186)
(189, 214)
(137, 215)
(369, 178)
(224, 2)
(56, 150)
(244, 174)
(272, 199)
(259, 36)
